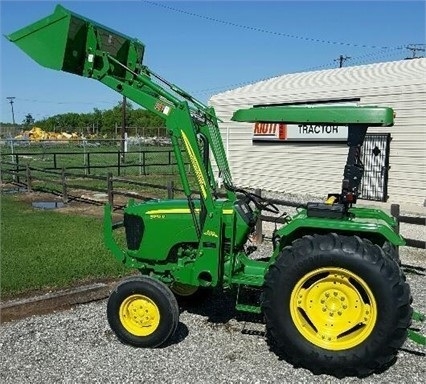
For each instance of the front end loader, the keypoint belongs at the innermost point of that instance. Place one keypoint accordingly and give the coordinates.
(332, 291)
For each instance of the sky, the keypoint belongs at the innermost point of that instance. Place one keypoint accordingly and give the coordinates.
(208, 47)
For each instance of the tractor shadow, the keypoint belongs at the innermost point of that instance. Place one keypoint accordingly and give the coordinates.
(412, 269)
(179, 335)
(218, 309)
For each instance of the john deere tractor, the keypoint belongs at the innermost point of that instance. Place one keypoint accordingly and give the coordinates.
(332, 292)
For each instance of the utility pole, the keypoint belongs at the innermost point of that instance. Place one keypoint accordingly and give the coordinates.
(414, 48)
(11, 98)
(123, 128)
(342, 59)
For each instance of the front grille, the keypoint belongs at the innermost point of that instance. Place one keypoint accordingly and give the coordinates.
(134, 231)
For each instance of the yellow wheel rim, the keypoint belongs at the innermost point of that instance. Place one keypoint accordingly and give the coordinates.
(139, 315)
(183, 289)
(333, 308)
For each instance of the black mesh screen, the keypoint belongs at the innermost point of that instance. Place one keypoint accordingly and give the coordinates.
(134, 231)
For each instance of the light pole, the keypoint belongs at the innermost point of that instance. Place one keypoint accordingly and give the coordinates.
(123, 146)
(11, 98)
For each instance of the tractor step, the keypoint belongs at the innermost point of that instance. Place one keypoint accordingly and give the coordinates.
(248, 308)
(247, 279)
(414, 335)
(248, 299)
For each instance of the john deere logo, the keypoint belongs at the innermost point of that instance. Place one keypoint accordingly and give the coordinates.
(210, 233)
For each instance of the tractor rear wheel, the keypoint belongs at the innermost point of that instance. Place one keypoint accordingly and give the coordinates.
(336, 305)
(391, 251)
(142, 312)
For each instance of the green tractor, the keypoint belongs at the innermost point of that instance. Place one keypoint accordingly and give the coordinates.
(332, 292)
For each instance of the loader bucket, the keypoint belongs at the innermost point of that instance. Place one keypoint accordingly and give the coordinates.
(63, 40)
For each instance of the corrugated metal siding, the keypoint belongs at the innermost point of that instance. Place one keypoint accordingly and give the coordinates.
(318, 168)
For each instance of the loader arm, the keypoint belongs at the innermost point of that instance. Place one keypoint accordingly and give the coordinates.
(72, 43)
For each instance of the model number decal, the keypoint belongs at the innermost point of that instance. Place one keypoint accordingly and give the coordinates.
(157, 216)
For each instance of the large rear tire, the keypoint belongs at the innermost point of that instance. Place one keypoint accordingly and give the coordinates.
(143, 312)
(391, 251)
(336, 305)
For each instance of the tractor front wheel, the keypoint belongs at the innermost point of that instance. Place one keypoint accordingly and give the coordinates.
(142, 312)
(336, 305)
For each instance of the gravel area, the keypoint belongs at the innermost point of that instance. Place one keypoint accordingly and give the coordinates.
(213, 344)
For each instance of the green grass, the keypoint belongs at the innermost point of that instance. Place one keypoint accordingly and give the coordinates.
(48, 249)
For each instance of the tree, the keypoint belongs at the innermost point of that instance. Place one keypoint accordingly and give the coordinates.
(97, 119)
(143, 118)
(101, 121)
(29, 120)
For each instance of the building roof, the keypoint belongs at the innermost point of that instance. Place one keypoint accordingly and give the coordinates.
(328, 79)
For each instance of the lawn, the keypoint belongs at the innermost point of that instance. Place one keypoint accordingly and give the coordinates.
(43, 249)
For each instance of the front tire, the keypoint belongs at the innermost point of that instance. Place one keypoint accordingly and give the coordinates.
(142, 312)
(336, 305)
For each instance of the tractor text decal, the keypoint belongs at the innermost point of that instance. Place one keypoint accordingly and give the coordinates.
(298, 132)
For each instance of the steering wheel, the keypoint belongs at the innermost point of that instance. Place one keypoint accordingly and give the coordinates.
(260, 202)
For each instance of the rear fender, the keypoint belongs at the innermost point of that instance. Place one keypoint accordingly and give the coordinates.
(374, 225)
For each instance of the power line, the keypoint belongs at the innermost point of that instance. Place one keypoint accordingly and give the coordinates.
(414, 48)
(65, 102)
(262, 30)
(376, 56)
(355, 60)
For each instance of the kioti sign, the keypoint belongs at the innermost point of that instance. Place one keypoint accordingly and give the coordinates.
(298, 132)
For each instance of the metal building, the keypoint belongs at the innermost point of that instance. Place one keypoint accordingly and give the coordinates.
(310, 160)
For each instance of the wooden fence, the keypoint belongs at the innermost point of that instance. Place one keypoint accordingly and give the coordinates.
(64, 182)
(164, 158)
(23, 177)
(395, 212)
